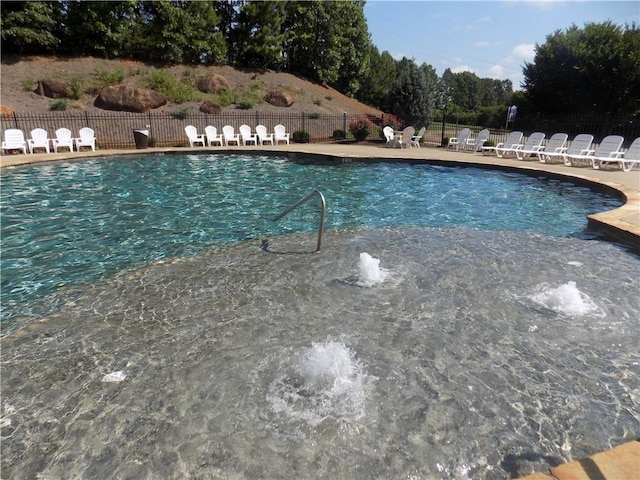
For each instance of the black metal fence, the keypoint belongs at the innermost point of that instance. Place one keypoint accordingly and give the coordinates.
(114, 130)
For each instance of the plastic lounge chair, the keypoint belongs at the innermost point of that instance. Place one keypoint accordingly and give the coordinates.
(263, 136)
(280, 134)
(608, 149)
(247, 136)
(460, 140)
(87, 138)
(14, 140)
(212, 136)
(580, 145)
(407, 135)
(415, 140)
(193, 136)
(512, 141)
(230, 135)
(388, 135)
(627, 159)
(63, 140)
(39, 139)
(556, 144)
(532, 146)
(476, 144)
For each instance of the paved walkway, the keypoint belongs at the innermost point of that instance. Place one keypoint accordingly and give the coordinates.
(622, 223)
(619, 463)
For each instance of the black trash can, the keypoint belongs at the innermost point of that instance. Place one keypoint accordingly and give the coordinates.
(141, 138)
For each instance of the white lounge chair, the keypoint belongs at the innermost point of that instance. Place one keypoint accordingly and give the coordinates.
(263, 136)
(476, 144)
(531, 147)
(407, 135)
(247, 136)
(230, 135)
(460, 140)
(87, 138)
(194, 137)
(212, 135)
(280, 134)
(556, 144)
(627, 159)
(608, 149)
(14, 140)
(415, 140)
(511, 141)
(39, 139)
(580, 145)
(63, 140)
(388, 136)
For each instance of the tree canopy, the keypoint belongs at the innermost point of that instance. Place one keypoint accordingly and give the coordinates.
(595, 69)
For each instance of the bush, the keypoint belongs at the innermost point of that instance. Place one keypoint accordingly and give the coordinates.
(244, 105)
(301, 136)
(339, 134)
(181, 113)
(360, 128)
(313, 115)
(392, 121)
(166, 84)
(59, 105)
(153, 141)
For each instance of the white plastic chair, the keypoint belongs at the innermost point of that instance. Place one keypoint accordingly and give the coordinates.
(608, 150)
(460, 140)
(580, 145)
(531, 146)
(247, 136)
(230, 136)
(14, 140)
(474, 145)
(263, 136)
(87, 138)
(63, 140)
(407, 135)
(388, 135)
(193, 136)
(415, 140)
(512, 141)
(627, 159)
(280, 134)
(213, 137)
(556, 144)
(39, 139)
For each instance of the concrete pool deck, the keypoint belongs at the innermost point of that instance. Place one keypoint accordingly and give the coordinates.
(621, 462)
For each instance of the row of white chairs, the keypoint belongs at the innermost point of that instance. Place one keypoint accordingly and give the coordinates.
(580, 151)
(14, 140)
(229, 136)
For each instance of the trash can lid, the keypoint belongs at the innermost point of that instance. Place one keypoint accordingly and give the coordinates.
(142, 131)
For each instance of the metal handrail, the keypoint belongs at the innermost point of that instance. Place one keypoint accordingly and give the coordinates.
(322, 213)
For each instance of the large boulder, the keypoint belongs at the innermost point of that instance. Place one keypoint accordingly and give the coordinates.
(54, 88)
(123, 98)
(278, 99)
(6, 112)
(211, 108)
(214, 84)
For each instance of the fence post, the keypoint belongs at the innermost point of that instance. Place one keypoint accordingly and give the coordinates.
(344, 122)
(15, 119)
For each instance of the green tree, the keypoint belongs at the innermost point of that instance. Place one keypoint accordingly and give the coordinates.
(409, 98)
(102, 26)
(30, 27)
(595, 69)
(379, 79)
(178, 32)
(259, 36)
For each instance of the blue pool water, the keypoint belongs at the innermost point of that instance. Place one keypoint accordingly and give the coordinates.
(69, 224)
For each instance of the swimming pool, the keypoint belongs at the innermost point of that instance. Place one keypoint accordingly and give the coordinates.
(69, 224)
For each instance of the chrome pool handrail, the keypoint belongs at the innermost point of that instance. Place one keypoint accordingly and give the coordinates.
(322, 213)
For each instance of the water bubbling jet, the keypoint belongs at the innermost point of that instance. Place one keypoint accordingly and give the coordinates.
(370, 271)
(566, 299)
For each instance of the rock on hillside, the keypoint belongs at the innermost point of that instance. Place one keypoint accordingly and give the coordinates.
(20, 76)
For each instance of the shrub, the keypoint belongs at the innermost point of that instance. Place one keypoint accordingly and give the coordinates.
(107, 78)
(314, 115)
(392, 121)
(360, 128)
(153, 141)
(317, 101)
(181, 113)
(339, 134)
(59, 105)
(244, 105)
(77, 83)
(301, 136)
(166, 84)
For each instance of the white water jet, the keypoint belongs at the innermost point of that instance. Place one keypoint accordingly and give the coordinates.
(370, 273)
(565, 299)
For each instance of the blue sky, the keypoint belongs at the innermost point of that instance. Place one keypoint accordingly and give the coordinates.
(489, 38)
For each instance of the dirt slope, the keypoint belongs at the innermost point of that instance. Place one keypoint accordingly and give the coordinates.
(19, 76)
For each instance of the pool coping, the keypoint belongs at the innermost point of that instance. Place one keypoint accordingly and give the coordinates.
(620, 225)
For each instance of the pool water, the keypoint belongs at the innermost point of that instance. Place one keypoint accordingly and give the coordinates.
(69, 224)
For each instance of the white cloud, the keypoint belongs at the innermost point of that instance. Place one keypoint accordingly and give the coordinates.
(496, 71)
(485, 44)
(524, 52)
(462, 68)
